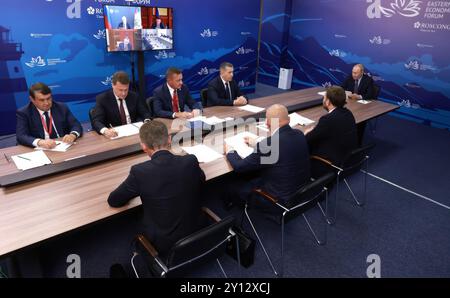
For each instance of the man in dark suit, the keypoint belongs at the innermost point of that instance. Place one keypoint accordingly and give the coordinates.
(280, 164)
(169, 187)
(124, 24)
(118, 106)
(223, 90)
(125, 45)
(362, 87)
(43, 120)
(360, 84)
(172, 96)
(159, 24)
(334, 136)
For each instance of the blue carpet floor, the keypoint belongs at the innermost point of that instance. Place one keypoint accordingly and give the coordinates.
(407, 226)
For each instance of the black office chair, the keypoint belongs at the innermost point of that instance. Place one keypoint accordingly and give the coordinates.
(376, 91)
(373, 123)
(91, 116)
(356, 161)
(208, 241)
(303, 200)
(149, 104)
(204, 97)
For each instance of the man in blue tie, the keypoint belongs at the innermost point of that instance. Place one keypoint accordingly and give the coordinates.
(43, 120)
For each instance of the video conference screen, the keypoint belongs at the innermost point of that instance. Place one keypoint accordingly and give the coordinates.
(133, 28)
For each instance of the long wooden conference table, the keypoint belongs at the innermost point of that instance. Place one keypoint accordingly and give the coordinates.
(71, 192)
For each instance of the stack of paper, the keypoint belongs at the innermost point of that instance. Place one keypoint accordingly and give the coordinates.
(31, 160)
(297, 119)
(60, 147)
(127, 130)
(237, 142)
(203, 153)
(251, 108)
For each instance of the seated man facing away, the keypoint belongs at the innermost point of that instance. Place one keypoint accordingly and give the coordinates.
(280, 165)
(118, 106)
(43, 120)
(172, 96)
(223, 90)
(169, 187)
(334, 136)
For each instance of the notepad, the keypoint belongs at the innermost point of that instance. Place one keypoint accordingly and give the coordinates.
(203, 153)
(60, 147)
(237, 142)
(127, 130)
(251, 108)
(31, 160)
(296, 119)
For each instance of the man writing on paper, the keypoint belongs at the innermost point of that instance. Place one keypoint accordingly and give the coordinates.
(43, 120)
(172, 96)
(169, 187)
(117, 107)
(284, 175)
(334, 136)
(223, 90)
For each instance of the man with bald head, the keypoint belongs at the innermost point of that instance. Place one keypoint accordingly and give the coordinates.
(280, 164)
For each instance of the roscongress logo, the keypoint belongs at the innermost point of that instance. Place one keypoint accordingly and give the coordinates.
(90, 10)
(406, 8)
(431, 27)
(208, 33)
(40, 35)
(36, 62)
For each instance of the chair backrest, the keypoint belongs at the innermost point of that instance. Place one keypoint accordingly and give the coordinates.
(311, 191)
(200, 244)
(204, 97)
(354, 161)
(149, 104)
(91, 116)
(376, 91)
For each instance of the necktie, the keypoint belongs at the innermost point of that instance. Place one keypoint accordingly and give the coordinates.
(355, 90)
(49, 124)
(123, 116)
(227, 90)
(175, 103)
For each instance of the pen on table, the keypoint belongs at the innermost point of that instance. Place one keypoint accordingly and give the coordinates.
(23, 157)
(6, 157)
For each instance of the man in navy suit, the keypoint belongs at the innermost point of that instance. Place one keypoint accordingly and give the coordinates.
(223, 90)
(172, 96)
(169, 187)
(360, 84)
(159, 24)
(280, 164)
(117, 107)
(334, 136)
(125, 45)
(124, 24)
(43, 120)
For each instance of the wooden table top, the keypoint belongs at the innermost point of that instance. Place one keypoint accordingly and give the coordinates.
(44, 208)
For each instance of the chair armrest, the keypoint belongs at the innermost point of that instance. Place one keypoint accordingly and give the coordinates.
(325, 161)
(265, 195)
(147, 245)
(211, 214)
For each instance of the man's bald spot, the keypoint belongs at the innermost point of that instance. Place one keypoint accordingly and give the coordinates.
(279, 112)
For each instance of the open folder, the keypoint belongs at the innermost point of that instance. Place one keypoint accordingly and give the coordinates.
(31, 160)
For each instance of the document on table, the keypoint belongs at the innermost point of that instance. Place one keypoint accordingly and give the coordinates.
(60, 147)
(364, 102)
(296, 119)
(237, 142)
(251, 108)
(323, 93)
(31, 160)
(210, 120)
(127, 130)
(203, 153)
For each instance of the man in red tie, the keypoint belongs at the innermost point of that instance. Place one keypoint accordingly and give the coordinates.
(172, 97)
(118, 106)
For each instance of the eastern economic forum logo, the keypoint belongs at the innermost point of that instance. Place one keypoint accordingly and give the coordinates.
(406, 8)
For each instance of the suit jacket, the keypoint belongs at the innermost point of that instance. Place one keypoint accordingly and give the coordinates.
(169, 187)
(122, 47)
(291, 170)
(161, 26)
(29, 124)
(334, 137)
(162, 104)
(106, 110)
(121, 26)
(217, 96)
(365, 88)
